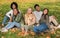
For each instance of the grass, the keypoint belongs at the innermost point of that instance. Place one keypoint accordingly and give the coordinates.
(52, 5)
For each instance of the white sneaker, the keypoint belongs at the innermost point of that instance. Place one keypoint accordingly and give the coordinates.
(4, 30)
(58, 26)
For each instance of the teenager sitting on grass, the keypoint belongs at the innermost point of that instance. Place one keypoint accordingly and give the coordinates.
(9, 14)
(29, 21)
(38, 13)
(43, 23)
(16, 21)
(52, 20)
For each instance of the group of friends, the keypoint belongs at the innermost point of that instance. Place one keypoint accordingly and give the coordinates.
(36, 21)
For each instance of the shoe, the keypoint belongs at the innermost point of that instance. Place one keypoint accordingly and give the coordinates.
(4, 30)
(58, 26)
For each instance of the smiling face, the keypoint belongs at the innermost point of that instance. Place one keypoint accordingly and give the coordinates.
(15, 11)
(13, 6)
(45, 11)
(37, 8)
(29, 10)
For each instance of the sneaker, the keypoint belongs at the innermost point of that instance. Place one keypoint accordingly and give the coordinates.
(58, 27)
(4, 30)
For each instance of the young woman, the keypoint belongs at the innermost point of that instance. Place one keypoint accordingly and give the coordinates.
(9, 15)
(44, 22)
(29, 21)
(16, 21)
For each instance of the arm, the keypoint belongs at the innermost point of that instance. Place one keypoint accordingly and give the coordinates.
(10, 19)
(25, 19)
(47, 21)
(33, 19)
(9, 13)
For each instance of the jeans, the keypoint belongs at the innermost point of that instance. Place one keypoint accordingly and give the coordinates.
(5, 20)
(12, 24)
(41, 28)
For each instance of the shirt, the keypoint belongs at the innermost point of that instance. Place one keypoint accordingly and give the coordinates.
(29, 19)
(38, 15)
(10, 13)
(18, 17)
(45, 20)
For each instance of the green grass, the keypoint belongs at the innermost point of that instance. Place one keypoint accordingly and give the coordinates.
(54, 9)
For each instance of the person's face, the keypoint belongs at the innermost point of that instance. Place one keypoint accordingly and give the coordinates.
(15, 11)
(29, 10)
(13, 6)
(37, 8)
(45, 11)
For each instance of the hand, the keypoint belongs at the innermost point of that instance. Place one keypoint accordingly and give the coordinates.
(37, 24)
(10, 19)
(53, 17)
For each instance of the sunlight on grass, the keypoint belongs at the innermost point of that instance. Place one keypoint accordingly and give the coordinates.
(52, 5)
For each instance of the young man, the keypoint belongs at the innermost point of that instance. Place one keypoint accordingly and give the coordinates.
(37, 13)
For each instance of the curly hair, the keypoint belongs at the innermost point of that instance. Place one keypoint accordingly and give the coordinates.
(14, 4)
(36, 5)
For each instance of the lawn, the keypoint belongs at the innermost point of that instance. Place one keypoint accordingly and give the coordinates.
(52, 5)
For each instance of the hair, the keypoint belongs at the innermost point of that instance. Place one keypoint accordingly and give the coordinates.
(17, 10)
(29, 7)
(36, 5)
(47, 12)
(14, 4)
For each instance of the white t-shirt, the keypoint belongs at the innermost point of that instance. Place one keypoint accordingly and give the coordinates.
(38, 15)
(10, 13)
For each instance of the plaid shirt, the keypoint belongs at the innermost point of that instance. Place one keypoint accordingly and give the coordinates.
(18, 18)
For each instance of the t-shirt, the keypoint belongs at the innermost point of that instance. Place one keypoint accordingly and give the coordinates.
(38, 15)
(10, 13)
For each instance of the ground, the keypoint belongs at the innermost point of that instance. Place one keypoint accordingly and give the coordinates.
(52, 5)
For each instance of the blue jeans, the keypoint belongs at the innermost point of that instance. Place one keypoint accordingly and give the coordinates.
(41, 28)
(12, 24)
(5, 20)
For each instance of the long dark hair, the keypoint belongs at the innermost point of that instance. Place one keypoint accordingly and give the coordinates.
(18, 11)
(45, 14)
